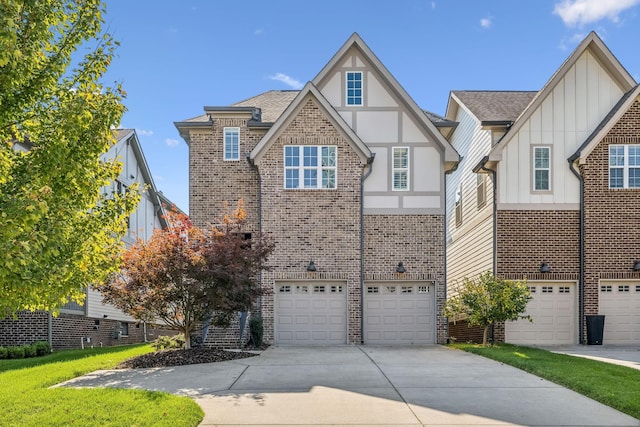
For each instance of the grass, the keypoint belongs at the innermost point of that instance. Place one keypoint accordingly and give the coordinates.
(27, 400)
(613, 385)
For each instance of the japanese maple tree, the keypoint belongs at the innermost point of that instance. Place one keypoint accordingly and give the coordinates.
(185, 275)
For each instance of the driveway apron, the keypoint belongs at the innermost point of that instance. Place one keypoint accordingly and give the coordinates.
(367, 386)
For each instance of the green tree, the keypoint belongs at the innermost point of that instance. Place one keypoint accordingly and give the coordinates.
(488, 299)
(58, 231)
(184, 275)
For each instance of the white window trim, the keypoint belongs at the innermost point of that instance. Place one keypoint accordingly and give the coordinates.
(625, 168)
(534, 169)
(224, 143)
(394, 169)
(346, 89)
(301, 168)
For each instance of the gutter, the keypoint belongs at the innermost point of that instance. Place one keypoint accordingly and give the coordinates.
(362, 179)
(571, 161)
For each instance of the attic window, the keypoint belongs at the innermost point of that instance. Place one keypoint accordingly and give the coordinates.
(354, 88)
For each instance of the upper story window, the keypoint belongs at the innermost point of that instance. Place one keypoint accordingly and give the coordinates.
(231, 143)
(354, 88)
(400, 168)
(310, 166)
(459, 205)
(624, 166)
(481, 189)
(541, 168)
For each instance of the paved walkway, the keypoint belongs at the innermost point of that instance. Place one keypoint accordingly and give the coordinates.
(367, 386)
(619, 355)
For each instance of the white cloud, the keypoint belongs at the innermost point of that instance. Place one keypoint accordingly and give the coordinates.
(258, 32)
(433, 5)
(289, 81)
(171, 142)
(581, 12)
(143, 132)
(486, 22)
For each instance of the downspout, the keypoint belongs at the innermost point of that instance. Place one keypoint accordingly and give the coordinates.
(362, 179)
(571, 161)
(50, 330)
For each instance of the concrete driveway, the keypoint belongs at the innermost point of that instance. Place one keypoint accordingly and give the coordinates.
(375, 386)
(628, 356)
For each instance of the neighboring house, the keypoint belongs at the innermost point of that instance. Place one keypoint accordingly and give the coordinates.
(347, 176)
(516, 205)
(95, 323)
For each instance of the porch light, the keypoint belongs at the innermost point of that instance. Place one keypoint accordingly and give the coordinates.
(311, 266)
(545, 268)
(400, 268)
(636, 266)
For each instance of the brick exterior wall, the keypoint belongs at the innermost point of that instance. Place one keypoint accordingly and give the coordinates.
(527, 238)
(318, 225)
(67, 330)
(417, 241)
(611, 216)
(214, 181)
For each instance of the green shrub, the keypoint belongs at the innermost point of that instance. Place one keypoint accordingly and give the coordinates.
(256, 330)
(30, 350)
(166, 342)
(4, 352)
(16, 352)
(42, 348)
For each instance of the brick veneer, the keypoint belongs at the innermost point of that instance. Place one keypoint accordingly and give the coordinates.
(67, 330)
(611, 216)
(318, 225)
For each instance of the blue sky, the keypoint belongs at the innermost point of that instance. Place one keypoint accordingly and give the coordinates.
(178, 56)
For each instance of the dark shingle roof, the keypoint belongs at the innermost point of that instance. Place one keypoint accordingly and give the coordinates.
(272, 103)
(495, 106)
(438, 120)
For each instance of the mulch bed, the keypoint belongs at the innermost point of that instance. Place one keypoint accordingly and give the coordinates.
(164, 358)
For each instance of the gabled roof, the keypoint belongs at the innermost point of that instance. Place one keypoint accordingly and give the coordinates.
(309, 91)
(272, 103)
(605, 58)
(492, 107)
(134, 143)
(605, 125)
(451, 157)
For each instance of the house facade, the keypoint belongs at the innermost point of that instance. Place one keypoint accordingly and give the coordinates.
(95, 323)
(522, 205)
(347, 177)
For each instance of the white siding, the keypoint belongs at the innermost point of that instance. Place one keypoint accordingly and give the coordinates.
(564, 119)
(470, 244)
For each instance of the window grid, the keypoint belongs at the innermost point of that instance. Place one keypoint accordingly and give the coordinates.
(354, 88)
(406, 289)
(285, 289)
(319, 289)
(547, 289)
(423, 289)
(532, 289)
(310, 166)
(563, 290)
(637, 288)
(606, 288)
(400, 168)
(624, 166)
(541, 168)
(373, 290)
(391, 289)
(231, 144)
(623, 288)
(302, 289)
(336, 289)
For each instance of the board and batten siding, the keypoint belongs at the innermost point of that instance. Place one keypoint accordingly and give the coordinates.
(469, 244)
(383, 122)
(564, 119)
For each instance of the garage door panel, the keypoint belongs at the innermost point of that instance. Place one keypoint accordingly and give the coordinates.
(553, 308)
(620, 303)
(310, 314)
(398, 314)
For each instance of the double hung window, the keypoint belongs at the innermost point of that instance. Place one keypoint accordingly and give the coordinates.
(232, 143)
(400, 168)
(624, 166)
(541, 168)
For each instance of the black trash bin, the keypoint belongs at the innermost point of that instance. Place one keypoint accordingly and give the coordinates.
(595, 329)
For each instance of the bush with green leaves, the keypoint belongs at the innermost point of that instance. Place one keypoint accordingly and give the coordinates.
(42, 348)
(165, 342)
(16, 352)
(39, 348)
(4, 352)
(256, 330)
(29, 351)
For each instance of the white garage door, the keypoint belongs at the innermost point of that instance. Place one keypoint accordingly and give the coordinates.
(554, 314)
(311, 314)
(620, 304)
(399, 313)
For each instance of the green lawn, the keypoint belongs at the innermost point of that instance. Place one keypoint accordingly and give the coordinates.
(615, 386)
(26, 400)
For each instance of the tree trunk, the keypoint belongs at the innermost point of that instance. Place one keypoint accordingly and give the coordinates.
(187, 338)
(484, 335)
